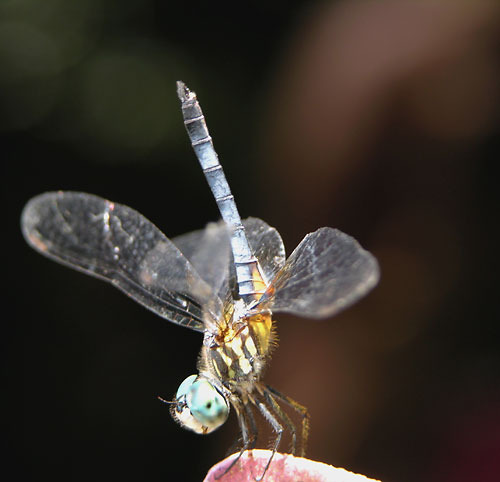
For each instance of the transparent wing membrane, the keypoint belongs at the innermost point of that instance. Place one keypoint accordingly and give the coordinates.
(209, 252)
(266, 245)
(327, 272)
(116, 243)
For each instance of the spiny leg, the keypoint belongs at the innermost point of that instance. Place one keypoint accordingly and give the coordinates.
(249, 423)
(277, 427)
(301, 410)
(234, 446)
(253, 426)
(284, 418)
(248, 440)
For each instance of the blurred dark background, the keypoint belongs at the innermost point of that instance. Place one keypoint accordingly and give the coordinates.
(378, 118)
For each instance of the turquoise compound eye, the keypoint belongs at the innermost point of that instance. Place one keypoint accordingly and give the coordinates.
(199, 406)
(185, 386)
(207, 405)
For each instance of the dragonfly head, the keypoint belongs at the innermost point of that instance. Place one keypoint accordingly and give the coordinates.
(199, 406)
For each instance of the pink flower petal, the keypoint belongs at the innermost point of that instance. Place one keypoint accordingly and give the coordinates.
(283, 468)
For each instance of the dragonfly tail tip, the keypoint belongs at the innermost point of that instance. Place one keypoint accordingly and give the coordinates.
(183, 92)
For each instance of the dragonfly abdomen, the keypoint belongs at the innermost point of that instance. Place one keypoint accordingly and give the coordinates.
(245, 261)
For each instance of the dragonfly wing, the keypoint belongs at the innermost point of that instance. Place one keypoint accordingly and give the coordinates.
(116, 243)
(327, 272)
(209, 252)
(266, 245)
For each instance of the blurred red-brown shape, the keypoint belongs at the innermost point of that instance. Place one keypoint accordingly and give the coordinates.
(283, 468)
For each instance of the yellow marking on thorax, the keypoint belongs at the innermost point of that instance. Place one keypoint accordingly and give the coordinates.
(261, 326)
(216, 368)
(236, 345)
(227, 359)
(250, 346)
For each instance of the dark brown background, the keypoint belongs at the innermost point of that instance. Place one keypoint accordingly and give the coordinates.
(379, 118)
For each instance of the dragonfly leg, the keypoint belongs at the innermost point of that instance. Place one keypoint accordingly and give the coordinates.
(277, 427)
(284, 418)
(253, 426)
(300, 409)
(249, 439)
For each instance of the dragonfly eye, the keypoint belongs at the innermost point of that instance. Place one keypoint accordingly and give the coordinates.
(199, 406)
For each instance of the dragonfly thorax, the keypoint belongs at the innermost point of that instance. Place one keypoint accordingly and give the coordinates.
(237, 354)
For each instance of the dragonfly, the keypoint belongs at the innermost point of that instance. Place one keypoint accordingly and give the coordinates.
(226, 281)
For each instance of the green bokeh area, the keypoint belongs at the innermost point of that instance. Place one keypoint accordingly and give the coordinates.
(67, 78)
